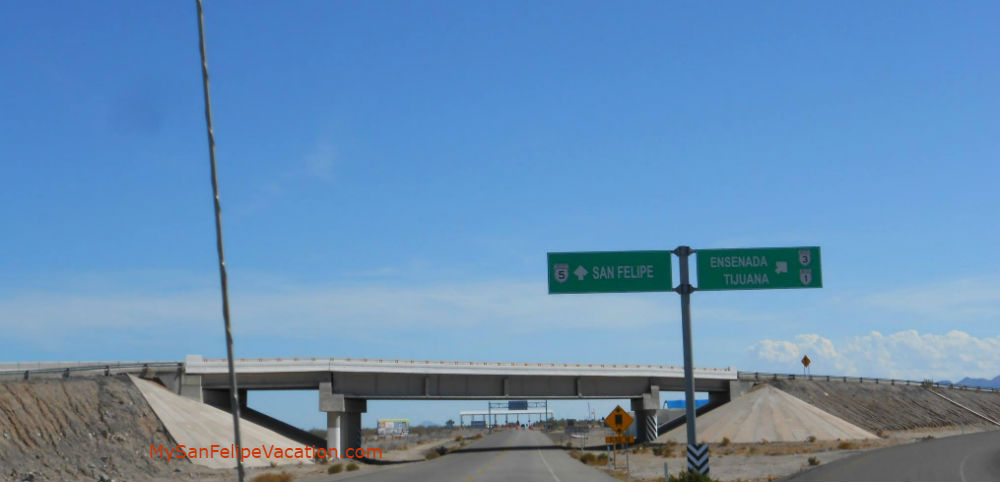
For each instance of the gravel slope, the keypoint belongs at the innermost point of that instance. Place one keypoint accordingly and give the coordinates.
(78, 429)
(892, 407)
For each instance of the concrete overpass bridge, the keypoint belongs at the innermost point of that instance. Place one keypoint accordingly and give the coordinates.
(344, 385)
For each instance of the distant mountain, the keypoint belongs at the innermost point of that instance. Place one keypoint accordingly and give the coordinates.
(980, 382)
(428, 423)
(976, 382)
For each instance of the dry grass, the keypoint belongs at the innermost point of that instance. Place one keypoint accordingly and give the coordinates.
(590, 459)
(813, 461)
(351, 467)
(273, 477)
(664, 450)
(792, 448)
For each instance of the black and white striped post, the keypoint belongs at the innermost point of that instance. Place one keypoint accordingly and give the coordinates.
(698, 458)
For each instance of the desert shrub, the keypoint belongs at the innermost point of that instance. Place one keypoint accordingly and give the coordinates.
(764, 441)
(588, 458)
(351, 467)
(813, 461)
(602, 459)
(686, 476)
(431, 455)
(664, 450)
(929, 437)
(335, 469)
(458, 438)
(881, 433)
(726, 441)
(845, 445)
(273, 477)
(811, 439)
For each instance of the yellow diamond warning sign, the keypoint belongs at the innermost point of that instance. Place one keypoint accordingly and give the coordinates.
(618, 419)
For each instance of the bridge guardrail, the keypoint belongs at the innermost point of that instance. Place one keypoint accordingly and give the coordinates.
(763, 376)
(107, 368)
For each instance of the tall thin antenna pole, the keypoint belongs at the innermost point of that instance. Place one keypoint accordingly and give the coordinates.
(234, 400)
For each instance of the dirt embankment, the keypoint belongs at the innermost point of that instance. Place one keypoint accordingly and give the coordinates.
(78, 429)
(893, 407)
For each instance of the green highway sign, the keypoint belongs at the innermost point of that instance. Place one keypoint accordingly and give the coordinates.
(610, 272)
(759, 268)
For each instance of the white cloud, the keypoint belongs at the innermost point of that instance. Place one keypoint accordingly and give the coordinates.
(780, 351)
(904, 354)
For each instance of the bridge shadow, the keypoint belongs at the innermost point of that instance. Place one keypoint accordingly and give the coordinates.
(371, 461)
(375, 461)
(507, 448)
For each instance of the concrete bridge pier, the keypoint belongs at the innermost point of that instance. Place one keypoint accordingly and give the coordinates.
(645, 415)
(343, 419)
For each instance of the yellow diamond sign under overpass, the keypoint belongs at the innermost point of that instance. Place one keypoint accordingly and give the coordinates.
(618, 419)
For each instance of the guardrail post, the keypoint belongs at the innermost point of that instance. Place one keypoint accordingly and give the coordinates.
(27, 374)
(66, 373)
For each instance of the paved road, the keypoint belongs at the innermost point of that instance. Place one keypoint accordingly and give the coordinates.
(965, 458)
(518, 455)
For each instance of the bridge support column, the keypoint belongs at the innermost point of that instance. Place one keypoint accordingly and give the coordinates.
(191, 387)
(645, 415)
(343, 419)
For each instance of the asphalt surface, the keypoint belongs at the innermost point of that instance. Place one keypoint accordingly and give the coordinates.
(517, 455)
(964, 458)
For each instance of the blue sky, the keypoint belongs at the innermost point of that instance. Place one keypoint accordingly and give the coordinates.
(393, 174)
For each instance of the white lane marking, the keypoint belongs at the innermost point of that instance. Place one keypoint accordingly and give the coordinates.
(961, 467)
(547, 466)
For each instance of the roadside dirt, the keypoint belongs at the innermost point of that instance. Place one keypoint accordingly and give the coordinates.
(768, 461)
(78, 429)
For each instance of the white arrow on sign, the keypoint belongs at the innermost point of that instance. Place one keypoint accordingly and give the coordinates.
(580, 272)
